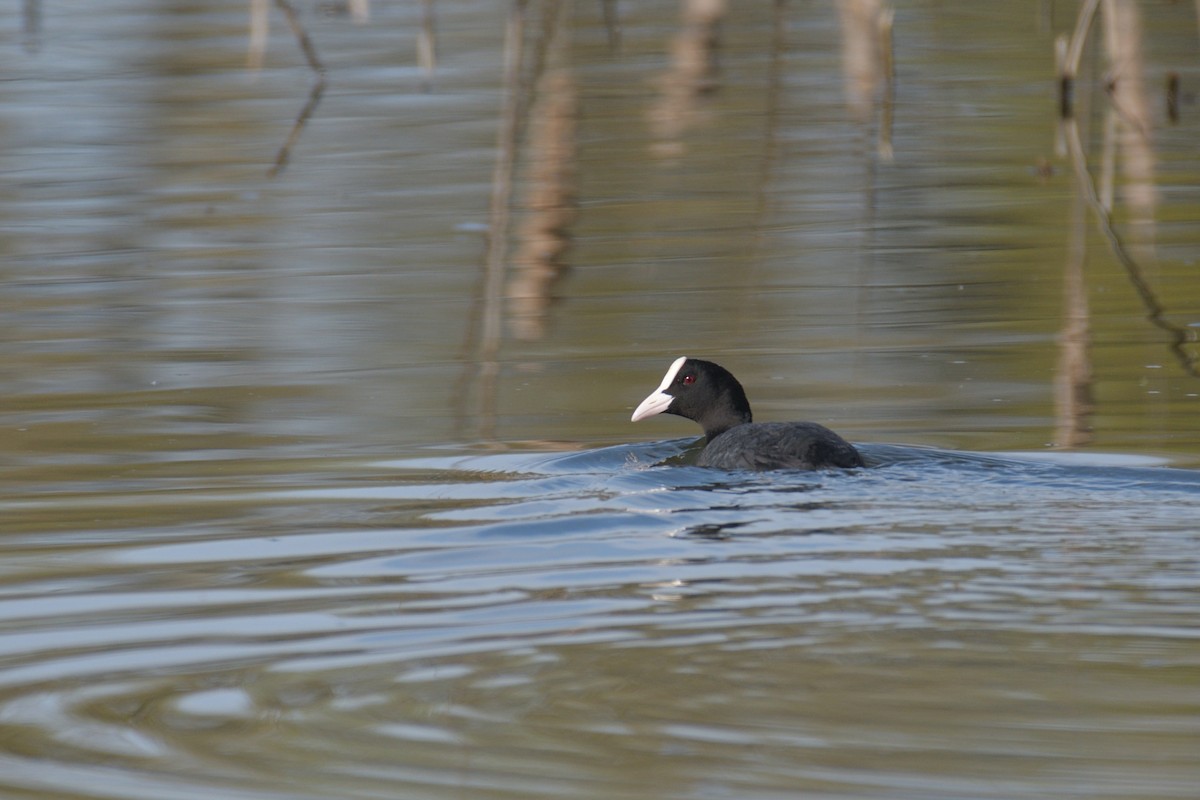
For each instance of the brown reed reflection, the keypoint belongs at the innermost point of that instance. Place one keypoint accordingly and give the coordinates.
(1069, 53)
(1073, 399)
(691, 75)
(485, 329)
(360, 10)
(259, 27)
(427, 45)
(1172, 95)
(543, 235)
(1127, 139)
(1131, 124)
(868, 67)
(537, 133)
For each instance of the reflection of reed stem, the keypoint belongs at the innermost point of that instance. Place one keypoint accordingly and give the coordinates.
(772, 95)
(314, 94)
(1108, 163)
(543, 235)
(612, 23)
(1173, 94)
(285, 152)
(1073, 378)
(306, 45)
(31, 24)
(1069, 69)
(1155, 312)
(692, 74)
(502, 176)
(259, 26)
(426, 45)
(887, 57)
(868, 67)
(487, 331)
(1075, 49)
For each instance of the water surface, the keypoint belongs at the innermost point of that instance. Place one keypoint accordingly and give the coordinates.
(309, 488)
(601, 624)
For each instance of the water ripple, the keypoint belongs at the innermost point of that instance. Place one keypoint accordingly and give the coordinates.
(504, 623)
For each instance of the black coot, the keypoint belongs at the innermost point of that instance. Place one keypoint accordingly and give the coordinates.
(710, 395)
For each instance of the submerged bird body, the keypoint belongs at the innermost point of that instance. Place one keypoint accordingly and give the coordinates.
(709, 394)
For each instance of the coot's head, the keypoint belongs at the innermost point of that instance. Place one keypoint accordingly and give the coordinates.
(701, 391)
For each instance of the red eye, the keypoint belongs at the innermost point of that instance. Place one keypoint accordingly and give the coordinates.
(688, 380)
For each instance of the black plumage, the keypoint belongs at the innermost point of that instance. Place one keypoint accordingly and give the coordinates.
(709, 394)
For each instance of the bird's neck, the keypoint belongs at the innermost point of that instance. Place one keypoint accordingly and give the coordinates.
(716, 424)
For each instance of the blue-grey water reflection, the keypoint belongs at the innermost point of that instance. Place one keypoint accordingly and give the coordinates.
(313, 488)
(600, 624)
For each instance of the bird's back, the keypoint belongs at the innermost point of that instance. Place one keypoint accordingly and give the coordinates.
(779, 445)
